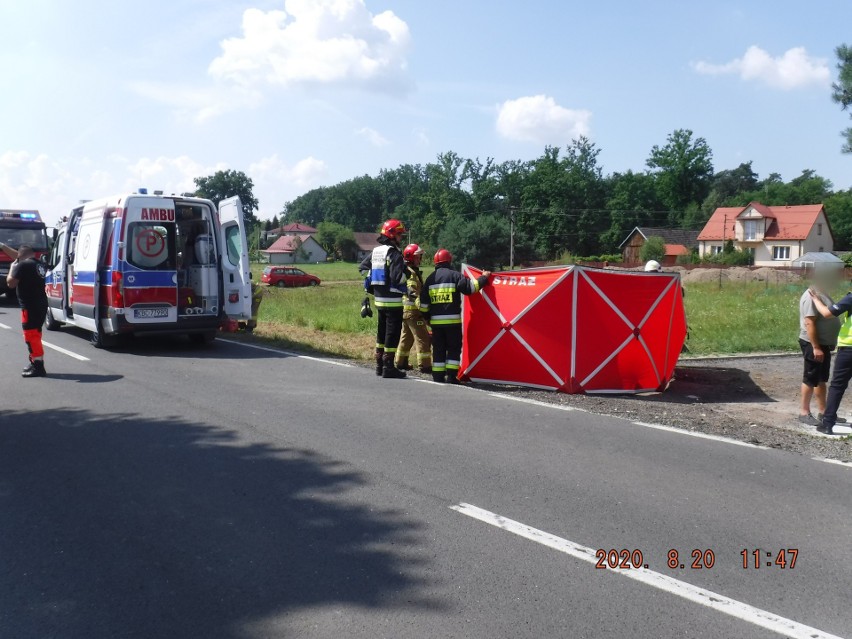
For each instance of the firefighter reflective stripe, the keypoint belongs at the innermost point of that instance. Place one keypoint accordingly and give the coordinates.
(453, 364)
(442, 293)
(388, 302)
(438, 320)
(439, 367)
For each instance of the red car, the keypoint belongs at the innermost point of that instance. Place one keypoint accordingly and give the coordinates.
(288, 276)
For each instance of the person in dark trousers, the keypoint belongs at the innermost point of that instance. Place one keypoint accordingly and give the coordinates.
(385, 279)
(441, 298)
(817, 339)
(842, 361)
(27, 276)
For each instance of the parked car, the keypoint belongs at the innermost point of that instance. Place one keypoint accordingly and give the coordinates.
(288, 276)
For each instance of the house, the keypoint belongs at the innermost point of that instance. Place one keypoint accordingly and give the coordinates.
(678, 242)
(295, 249)
(294, 228)
(366, 243)
(774, 235)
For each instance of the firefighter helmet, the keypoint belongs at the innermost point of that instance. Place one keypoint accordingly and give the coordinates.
(393, 229)
(443, 256)
(653, 266)
(411, 251)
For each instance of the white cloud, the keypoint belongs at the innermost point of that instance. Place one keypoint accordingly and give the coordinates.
(276, 181)
(372, 136)
(317, 41)
(421, 136)
(199, 104)
(792, 70)
(538, 118)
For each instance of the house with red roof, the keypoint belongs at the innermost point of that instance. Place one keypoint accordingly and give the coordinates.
(295, 249)
(294, 228)
(774, 235)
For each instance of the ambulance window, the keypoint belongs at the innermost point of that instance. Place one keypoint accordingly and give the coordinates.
(54, 253)
(151, 245)
(234, 244)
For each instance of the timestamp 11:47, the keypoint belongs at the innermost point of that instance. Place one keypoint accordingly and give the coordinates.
(784, 558)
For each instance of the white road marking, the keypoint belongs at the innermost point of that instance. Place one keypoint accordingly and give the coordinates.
(695, 594)
(65, 351)
(279, 351)
(692, 433)
(832, 461)
(59, 349)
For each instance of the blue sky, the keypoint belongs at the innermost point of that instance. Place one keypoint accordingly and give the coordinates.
(101, 97)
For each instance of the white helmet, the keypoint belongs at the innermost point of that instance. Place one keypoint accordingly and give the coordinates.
(653, 266)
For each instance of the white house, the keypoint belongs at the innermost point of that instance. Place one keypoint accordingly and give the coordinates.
(774, 235)
(295, 249)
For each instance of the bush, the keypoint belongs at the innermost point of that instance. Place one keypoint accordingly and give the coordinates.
(734, 258)
(654, 248)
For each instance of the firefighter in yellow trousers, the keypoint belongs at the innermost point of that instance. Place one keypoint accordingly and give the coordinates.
(414, 325)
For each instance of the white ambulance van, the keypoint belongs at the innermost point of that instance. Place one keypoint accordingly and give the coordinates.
(150, 264)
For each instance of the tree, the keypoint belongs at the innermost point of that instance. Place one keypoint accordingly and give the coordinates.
(483, 241)
(654, 248)
(224, 184)
(275, 222)
(337, 240)
(843, 88)
(684, 171)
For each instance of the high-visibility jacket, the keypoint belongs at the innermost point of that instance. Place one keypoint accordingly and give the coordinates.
(442, 291)
(411, 301)
(385, 270)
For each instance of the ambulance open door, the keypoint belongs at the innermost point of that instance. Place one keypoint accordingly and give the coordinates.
(85, 283)
(235, 259)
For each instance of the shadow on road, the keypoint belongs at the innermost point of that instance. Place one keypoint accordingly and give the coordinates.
(85, 378)
(121, 526)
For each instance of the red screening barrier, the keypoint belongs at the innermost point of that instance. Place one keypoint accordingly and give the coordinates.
(575, 330)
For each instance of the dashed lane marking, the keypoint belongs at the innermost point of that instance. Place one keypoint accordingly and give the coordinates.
(695, 594)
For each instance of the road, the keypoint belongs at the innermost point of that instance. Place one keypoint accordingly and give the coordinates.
(167, 490)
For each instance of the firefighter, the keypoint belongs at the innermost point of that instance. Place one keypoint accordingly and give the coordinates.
(414, 329)
(256, 299)
(385, 279)
(441, 298)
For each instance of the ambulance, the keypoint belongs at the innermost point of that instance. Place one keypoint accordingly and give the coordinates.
(20, 227)
(149, 264)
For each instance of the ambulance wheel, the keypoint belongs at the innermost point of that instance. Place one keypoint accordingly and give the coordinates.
(50, 323)
(202, 338)
(102, 340)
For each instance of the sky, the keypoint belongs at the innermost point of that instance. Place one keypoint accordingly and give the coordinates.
(102, 97)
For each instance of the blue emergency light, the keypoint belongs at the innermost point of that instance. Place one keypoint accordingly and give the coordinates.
(142, 191)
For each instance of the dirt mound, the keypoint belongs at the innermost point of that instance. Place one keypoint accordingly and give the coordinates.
(741, 274)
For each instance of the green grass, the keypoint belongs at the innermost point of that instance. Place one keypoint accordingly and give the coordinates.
(742, 317)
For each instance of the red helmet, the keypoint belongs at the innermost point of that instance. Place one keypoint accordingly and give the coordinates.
(443, 256)
(410, 251)
(394, 229)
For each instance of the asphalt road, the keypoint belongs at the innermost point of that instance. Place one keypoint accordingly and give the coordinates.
(167, 490)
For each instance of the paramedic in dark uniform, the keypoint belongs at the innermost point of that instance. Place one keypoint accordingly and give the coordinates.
(27, 276)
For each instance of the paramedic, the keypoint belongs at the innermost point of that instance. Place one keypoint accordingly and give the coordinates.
(441, 298)
(27, 276)
(386, 281)
(414, 328)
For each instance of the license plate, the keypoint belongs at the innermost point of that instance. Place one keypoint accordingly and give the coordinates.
(147, 313)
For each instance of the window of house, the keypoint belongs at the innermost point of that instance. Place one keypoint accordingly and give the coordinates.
(780, 252)
(750, 228)
(715, 250)
(819, 230)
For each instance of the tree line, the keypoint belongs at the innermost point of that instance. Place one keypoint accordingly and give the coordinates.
(561, 201)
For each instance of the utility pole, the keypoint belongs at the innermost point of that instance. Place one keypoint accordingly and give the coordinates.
(512, 210)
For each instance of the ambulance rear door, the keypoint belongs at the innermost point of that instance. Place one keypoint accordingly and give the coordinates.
(85, 268)
(234, 258)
